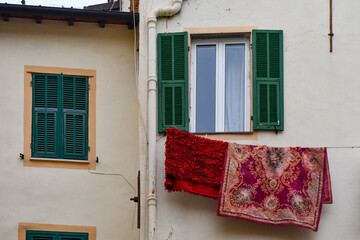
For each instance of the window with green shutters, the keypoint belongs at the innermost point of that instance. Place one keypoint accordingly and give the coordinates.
(217, 64)
(268, 103)
(173, 81)
(60, 116)
(50, 235)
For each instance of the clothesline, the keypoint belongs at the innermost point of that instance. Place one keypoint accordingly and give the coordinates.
(345, 147)
(274, 185)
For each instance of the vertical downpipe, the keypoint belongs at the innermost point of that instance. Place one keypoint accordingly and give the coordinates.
(152, 95)
(152, 109)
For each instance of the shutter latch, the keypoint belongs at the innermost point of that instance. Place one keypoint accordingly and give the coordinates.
(276, 131)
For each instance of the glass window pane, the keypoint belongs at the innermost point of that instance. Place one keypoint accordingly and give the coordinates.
(234, 87)
(205, 88)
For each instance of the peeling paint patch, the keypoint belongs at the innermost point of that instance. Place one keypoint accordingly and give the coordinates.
(170, 234)
(153, 234)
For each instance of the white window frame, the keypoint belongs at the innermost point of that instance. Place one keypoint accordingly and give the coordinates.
(220, 82)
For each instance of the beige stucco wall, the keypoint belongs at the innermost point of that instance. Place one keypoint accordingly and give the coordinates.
(321, 95)
(66, 196)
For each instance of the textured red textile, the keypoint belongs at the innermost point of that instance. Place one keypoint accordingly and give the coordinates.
(193, 164)
(195, 188)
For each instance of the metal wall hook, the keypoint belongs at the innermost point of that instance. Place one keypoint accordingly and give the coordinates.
(137, 200)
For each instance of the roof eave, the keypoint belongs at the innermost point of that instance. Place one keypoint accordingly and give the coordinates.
(70, 15)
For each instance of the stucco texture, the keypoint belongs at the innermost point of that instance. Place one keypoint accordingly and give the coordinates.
(321, 96)
(66, 196)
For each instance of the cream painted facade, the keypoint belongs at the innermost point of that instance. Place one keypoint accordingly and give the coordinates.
(321, 96)
(73, 197)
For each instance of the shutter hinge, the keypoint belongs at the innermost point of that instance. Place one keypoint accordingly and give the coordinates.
(31, 146)
(252, 118)
(88, 148)
(31, 83)
(188, 48)
(250, 45)
(88, 86)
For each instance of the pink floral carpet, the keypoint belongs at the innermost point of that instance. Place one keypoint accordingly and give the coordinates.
(275, 185)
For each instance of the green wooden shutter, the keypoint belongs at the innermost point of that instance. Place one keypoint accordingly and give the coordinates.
(73, 236)
(173, 81)
(40, 235)
(50, 235)
(75, 117)
(45, 115)
(267, 54)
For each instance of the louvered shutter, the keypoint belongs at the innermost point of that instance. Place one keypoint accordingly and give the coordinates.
(73, 236)
(173, 81)
(75, 117)
(40, 235)
(267, 54)
(45, 115)
(50, 235)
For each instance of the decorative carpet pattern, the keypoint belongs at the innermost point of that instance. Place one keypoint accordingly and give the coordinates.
(275, 185)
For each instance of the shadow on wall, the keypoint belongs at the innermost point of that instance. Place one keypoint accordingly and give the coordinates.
(195, 209)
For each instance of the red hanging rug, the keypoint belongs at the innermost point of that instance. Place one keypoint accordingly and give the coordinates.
(193, 164)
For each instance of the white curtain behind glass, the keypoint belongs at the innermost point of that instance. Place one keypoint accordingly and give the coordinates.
(234, 87)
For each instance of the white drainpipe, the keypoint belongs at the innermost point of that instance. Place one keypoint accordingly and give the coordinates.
(152, 108)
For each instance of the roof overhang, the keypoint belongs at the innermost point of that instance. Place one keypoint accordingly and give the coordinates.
(109, 6)
(70, 15)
